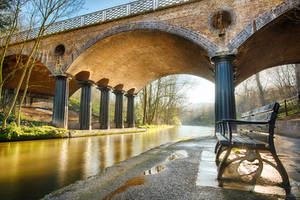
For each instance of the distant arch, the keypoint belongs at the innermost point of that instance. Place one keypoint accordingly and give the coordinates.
(41, 80)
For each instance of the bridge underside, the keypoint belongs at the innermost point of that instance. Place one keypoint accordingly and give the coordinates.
(136, 58)
(276, 44)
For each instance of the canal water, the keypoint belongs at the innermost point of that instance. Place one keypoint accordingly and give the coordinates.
(29, 170)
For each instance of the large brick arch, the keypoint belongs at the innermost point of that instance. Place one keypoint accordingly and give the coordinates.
(41, 80)
(41, 57)
(262, 21)
(196, 38)
(270, 40)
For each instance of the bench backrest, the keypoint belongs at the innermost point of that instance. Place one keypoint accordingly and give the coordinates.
(262, 133)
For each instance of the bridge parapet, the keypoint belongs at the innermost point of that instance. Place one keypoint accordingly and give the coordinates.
(124, 10)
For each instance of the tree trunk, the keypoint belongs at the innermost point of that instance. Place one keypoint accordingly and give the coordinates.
(260, 90)
(297, 70)
(145, 105)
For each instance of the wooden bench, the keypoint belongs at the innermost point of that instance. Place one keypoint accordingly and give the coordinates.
(255, 134)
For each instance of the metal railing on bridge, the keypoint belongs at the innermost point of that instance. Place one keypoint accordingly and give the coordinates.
(133, 8)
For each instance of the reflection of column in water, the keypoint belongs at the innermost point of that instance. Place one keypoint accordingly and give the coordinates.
(122, 148)
(137, 143)
(62, 162)
(91, 157)
(144, 141)
(117, 148)
(109, 150)
(129, 139)
(103, 152)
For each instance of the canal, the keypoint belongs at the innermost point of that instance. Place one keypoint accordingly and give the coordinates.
(29, 170)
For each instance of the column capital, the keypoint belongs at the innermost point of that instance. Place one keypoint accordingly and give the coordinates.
(130, 95)
(104, 88)
(223, 57)
(118, 92)
(66, 76)
(85, 83)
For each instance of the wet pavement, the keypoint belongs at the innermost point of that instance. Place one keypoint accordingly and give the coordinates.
(184, 170)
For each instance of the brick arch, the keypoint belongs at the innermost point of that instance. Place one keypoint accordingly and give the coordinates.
(198, 39)
(260, 22)
(41, 79)
(41, 57)
(270, 40)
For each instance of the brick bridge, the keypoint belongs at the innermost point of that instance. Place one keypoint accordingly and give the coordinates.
(125, 47)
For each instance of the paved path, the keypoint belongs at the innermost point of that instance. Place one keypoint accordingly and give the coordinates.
(183, 170)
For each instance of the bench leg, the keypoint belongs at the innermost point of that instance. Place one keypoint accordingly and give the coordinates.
(217, 146)
(219, 150)
(280, 168)
(223, 164)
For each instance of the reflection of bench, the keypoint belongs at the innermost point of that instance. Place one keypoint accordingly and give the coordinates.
(255, 134)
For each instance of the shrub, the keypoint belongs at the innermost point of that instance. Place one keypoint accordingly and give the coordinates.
(15, 133)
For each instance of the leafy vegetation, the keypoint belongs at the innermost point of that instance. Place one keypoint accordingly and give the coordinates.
(291, 110)
(20, 133)
(155, 127)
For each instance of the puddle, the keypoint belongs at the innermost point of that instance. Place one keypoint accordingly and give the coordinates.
(155, 170)
(159, 168)
(178, 154)
(130, 183)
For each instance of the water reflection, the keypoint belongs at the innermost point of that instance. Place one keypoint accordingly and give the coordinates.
(29, 170)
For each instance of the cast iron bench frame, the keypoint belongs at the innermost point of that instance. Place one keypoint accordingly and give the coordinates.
(260, 122)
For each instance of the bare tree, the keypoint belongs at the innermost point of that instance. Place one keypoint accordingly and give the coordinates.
(260, 90)
(297, 73)
(161, 101)
(46, 12)
(284, 79)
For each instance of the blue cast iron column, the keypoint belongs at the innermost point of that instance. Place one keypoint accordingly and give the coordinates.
(130, 110)
(104, 108)
(60, 104)
(85, 114)
(224, 87)
(119, 108)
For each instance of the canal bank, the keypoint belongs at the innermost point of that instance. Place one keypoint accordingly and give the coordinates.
(48, 132)
(23, 133)
(181, 170)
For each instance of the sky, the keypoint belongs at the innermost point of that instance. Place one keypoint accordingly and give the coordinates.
(95, 5)
(201, 90)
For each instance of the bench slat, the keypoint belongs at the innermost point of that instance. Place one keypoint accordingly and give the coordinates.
(260, 117)
(240, 141)
(267, 108)
(257, 136)
(243, 141)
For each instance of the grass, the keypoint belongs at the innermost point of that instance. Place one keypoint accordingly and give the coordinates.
(291, 112)
(155, 127)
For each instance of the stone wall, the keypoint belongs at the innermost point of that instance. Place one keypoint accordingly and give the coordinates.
(290, 128)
